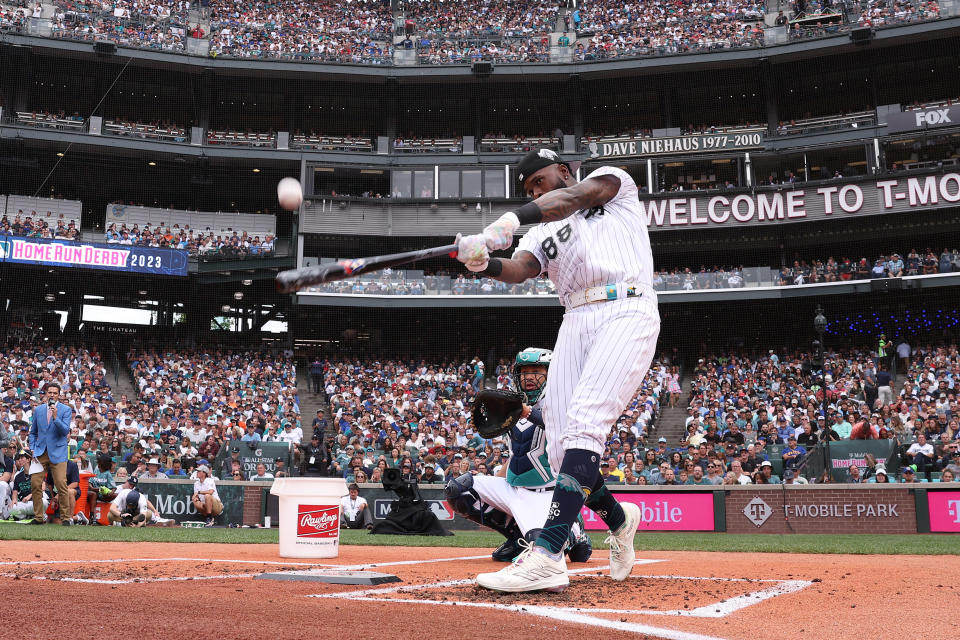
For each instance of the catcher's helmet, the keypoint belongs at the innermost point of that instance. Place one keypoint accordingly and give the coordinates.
(528, 357)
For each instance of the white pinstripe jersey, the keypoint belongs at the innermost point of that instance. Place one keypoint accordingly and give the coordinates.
(595, 247)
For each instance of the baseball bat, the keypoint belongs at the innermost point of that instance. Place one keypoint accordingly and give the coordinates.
(297, 279)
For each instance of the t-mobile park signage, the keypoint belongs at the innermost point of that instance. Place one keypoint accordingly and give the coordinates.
(933, 117)
(944, 509)
(677, 145)
(664, 511)
(113, 257)
(835, 200)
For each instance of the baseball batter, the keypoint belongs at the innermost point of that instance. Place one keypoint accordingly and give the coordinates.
(516, 501)
(590, 238)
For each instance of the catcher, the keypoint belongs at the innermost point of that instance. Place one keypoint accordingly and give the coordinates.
(517, 499)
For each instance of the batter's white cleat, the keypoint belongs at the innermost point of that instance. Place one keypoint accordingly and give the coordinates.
(532, 570)
(622, 555)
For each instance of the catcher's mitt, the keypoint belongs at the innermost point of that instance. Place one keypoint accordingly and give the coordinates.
(495, 411)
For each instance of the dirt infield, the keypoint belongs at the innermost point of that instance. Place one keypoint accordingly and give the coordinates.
(154, 590)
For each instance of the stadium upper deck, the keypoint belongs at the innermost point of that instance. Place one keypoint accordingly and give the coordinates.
(432, 32)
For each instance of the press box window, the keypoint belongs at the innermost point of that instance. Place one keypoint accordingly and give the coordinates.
(423, 184)
(472, 184)
(401, 184)
(449, 184)
(493, 183)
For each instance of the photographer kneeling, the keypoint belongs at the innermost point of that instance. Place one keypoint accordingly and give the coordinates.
(132, 509)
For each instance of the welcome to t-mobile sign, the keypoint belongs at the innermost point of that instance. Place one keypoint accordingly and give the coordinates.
(944, 508)
(664, 511)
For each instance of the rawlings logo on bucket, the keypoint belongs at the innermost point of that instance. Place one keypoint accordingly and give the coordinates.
(318, 521)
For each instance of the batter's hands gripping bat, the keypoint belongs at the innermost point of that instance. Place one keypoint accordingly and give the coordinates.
(297, 279)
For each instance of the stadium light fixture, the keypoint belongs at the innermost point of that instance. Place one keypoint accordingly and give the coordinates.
(60, 154)
(49, 297)
(152, 163)
(238, 295)
(247, 283)
(256, 170)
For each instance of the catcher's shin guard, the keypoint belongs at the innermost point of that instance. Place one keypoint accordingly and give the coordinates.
(465, 500)
(579, 547)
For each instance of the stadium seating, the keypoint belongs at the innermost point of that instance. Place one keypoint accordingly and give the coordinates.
(802, 272)
(46, 216)
(159, 24)
(317, 142)
(373, 402)
(12, 19)
(354, 32)
(228, 235)
(737, 386)
(165, 131)
(504, 31)
(242, 139)
(479, 18)
(44, 119)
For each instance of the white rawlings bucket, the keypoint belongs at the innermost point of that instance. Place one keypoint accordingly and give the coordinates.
(309, 516)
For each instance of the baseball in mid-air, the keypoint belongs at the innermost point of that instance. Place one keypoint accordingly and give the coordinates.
(290, 194)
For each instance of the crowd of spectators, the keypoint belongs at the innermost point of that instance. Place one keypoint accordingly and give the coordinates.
(149, 24)
(618, 30)
(206, 243)
(914, 263)
(479, 18)
(450, 32)
(412, 144)
(740, 403)
(878, 13)
(50, 226)
(800, 272)
(189, 405)
(415, 416)
(184, 397)
(399, 284)
(819, 18)
(451, 51)
(157, 130)
(352, 32)
(13, 19)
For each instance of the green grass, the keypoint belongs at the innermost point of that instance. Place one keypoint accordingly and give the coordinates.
(761, 543)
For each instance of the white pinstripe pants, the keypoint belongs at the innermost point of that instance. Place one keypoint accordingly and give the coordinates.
(528, 508)
(603, 351)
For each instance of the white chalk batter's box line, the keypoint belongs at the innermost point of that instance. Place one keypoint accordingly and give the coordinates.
(230, 576)
(587, 616)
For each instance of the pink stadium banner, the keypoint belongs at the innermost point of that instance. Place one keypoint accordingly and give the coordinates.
(944, 507)
(664, 511)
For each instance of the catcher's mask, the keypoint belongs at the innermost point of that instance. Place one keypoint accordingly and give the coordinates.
(532, 356)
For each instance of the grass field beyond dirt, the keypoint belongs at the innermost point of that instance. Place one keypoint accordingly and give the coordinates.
(763, 543)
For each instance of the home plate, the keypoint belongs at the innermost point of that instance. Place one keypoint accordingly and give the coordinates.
(333, 576)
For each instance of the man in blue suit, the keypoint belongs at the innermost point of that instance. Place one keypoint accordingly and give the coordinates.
(48, 441)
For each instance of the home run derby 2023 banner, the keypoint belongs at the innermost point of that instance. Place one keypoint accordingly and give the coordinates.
(90, 255)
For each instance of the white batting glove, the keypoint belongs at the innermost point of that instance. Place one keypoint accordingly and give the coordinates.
(499, 234)
(472, 252)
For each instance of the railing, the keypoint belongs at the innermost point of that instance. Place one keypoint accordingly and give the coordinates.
(241, 139)
(828, 123)
(51, 121)
(145, 131)
(448, 145)
(413, 283)
(329, 143)
(517, 145)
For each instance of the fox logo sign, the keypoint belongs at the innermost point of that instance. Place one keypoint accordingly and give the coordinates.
(934, 116)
